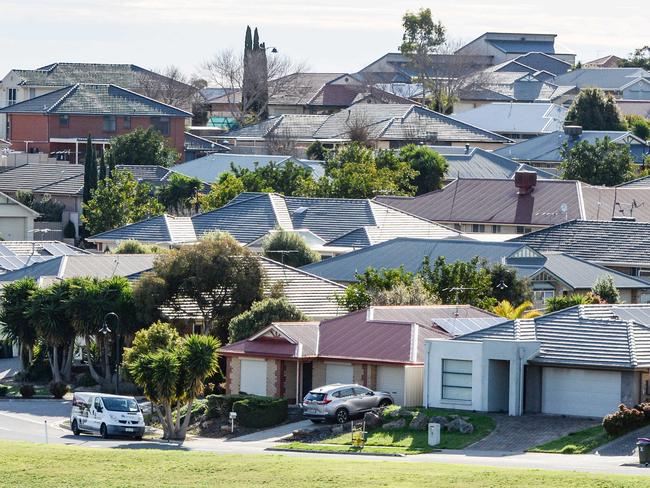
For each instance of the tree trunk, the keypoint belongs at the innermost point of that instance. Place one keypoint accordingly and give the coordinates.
(54, 363)
(67, 365)
(182, 431)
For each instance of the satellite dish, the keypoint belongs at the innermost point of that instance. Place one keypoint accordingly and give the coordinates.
(564, 207)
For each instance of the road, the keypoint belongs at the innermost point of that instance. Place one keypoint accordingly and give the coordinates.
(24, 420)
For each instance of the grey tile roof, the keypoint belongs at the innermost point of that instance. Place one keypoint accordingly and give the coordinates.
(63, 74)
(605, 78)
(298, 126)
(606, 336)
(606, 243)
(159, 229)
(90, 265)
(209, 168)
(152, 174)
(95, 99)
(479, 163)
(53, 178)
(516, 118)
(544, 62)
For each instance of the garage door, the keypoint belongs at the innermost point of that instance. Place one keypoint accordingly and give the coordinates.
(338, 373)
(253, 376)
(391, 380)
(583, 392)
(13, 228)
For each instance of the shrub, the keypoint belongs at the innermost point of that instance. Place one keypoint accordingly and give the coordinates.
(261, 315)
(58, 389)
(4, 390)
(623, 420)
(221, 405)
(257, 412)
(27, 391)
(86, 380)
(69, 231)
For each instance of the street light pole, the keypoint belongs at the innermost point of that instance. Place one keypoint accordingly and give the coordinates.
(105, 330)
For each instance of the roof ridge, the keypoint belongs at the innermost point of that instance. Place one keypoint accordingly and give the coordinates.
(60, 100)
(631, 343)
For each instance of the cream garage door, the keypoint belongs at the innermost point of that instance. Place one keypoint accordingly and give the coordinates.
(391, 380)
(253, 376)
(582, 392)
(338, 373)
(13, 229)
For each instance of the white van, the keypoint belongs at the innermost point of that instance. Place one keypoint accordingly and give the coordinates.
(106, 415)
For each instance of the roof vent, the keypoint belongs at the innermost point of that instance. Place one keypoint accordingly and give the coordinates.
(466, 148)
(573, 131)
(623, 218)
(525, 181)
(300, 210)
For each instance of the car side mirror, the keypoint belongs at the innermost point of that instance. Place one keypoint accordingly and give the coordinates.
(370, 393)
(99, 409)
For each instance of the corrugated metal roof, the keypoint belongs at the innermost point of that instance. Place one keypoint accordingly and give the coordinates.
(605, 78)
(516, 118)
(523, 46)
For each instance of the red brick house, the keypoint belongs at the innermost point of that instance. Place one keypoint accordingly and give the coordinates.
(60, 121)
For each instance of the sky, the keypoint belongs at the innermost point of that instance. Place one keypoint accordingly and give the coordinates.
(325, 36)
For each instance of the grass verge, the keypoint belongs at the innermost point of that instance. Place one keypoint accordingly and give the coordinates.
(341, 448)
(28, 465)
(417, 441)
(580, 442)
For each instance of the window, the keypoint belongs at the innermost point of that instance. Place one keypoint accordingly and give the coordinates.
(456, 379)
(348, 392)
(161, 124)
(496, 229)
(457, 226)
(32, 93)
(64, 120)
(523, 230)
(12, 96)
(361, 391)
(110, 123)
(478, 228)
(98, 404)
(127, 122)
(540, 296)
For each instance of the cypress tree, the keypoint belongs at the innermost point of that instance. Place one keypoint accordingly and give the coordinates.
(256, 41)
(248, 42)
(90, 170)
(111, 164)
(102, 168)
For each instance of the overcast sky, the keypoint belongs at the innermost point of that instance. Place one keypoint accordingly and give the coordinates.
(329, 36)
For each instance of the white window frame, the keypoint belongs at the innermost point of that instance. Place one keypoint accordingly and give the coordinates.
(456, 374)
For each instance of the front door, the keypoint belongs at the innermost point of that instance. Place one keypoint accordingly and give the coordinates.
(306, 378)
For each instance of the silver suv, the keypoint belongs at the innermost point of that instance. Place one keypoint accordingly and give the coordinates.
(340, 402)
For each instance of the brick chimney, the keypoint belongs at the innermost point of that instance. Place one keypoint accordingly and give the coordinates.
(525, 181)
(573, 131)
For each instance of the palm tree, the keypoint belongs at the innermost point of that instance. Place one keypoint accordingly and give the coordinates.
(523, 311)
(14, 326)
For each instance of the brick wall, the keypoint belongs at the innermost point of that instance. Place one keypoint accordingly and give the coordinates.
(289, 375)
(233, 375)
(318, 374)
(273, 377)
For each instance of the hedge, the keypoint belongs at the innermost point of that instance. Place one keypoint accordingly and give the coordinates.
(627, 419)
(261, 411)
(221, 405)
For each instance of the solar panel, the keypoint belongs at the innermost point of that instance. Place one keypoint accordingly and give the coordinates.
(5, 251)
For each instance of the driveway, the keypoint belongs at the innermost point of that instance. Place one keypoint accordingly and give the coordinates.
(518, 434)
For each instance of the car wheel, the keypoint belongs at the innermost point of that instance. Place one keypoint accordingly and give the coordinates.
(384, 403)
(342, 416)
(103, 431)
(75, 427)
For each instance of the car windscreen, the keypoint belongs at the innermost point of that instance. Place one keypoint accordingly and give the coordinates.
(120, 404)
(315, 397)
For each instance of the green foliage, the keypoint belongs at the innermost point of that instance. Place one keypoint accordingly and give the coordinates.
(259, 412)
(602, 163)
(219, 275)
(131, 246)
(297, 252)
(604, 287)
(402, 294)
(119, 200)
(27, 391)
(58, 389)
(14, 305)
(580, 442)
(49, 210)
(316, 151)
(221, 405)
(430, 165)
(625, 419)
(69, 231)
(90, 171)
(639, 126)
(368, 284)
(466, 282)
(561, 302)
(640, 58)
(262, 314)
(592, 109)
(4, 390)
(171, 371)
(143, 147)
(221, 192)
(517, 289)
(180, 194)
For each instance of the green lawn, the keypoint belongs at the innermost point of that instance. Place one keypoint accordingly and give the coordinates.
(14, 391)
(580, 442)
(307, 446)
(416, 441)
(37, 465)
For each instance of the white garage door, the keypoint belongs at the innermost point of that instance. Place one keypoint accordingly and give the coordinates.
(13, 228)
(583, 392)
(253, 376)
(338, 373)
(391, 379)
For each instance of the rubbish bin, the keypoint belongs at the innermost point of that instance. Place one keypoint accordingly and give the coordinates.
(434, 434)
(643, 444)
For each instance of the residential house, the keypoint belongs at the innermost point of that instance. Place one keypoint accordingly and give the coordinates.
(610, 61)
(551, 273)
(582, 361)
(60, 121)
(545, 151)
(197, 147)
(474, 162)
(536, 63)
(516, 120)
(24, 84)
(503, 46)
(82, 265)
(619, 244)
(380, 348)
(16, 220)
(389, 126)
(209, 168)
(523, 204)
(622, 83)
(634, 107)
(329, 225)
(20, 254)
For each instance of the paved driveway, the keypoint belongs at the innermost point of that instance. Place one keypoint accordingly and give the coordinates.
(517, 434)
